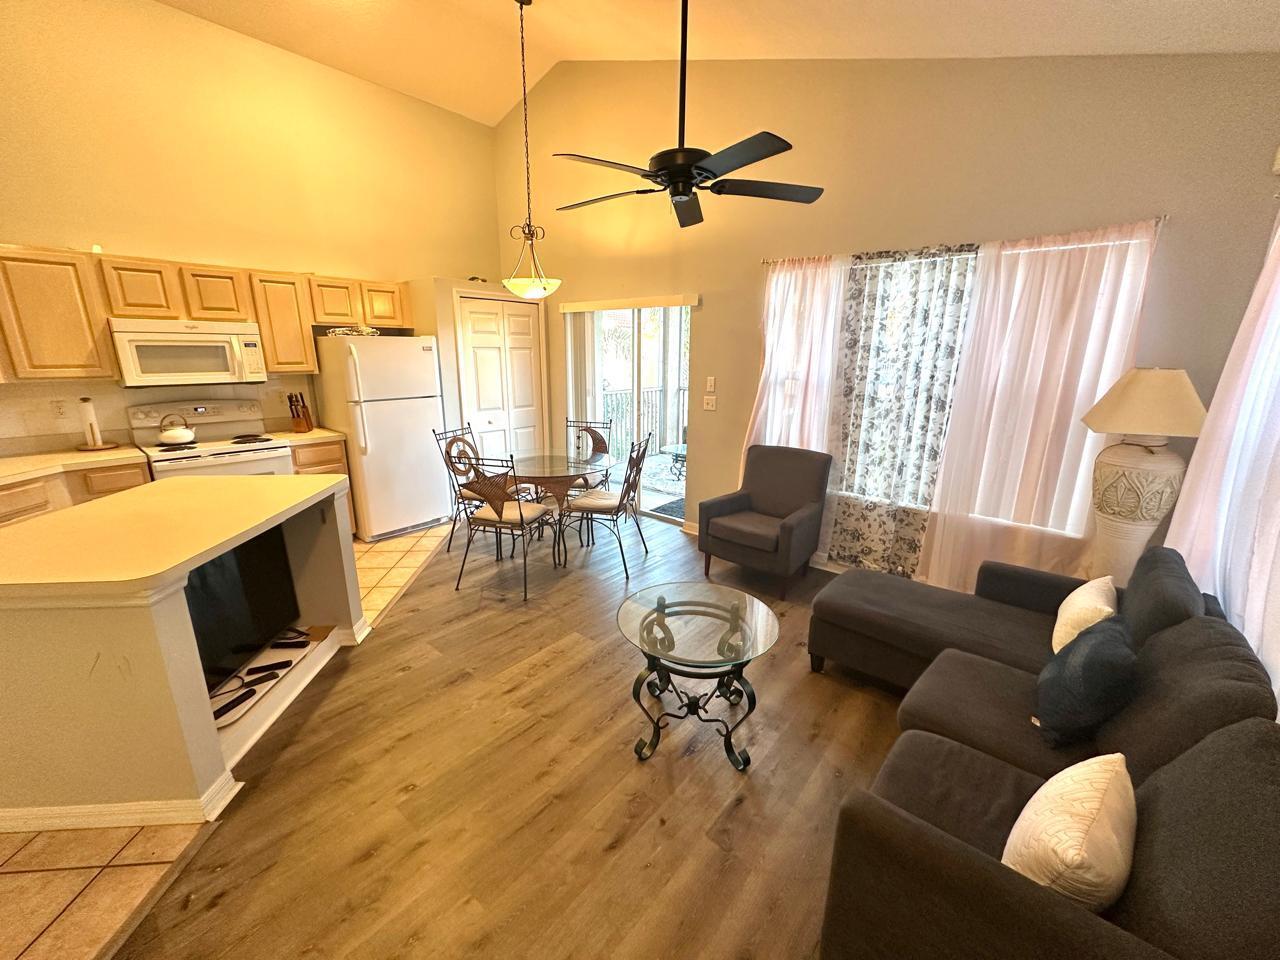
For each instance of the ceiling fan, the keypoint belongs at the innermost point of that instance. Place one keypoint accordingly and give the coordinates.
(682, 171)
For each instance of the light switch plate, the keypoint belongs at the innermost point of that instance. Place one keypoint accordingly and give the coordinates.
(708, 403)
(711, 384)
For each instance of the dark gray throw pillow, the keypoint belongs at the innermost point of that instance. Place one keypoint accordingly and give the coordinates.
(1086, 683)
(1160, 594)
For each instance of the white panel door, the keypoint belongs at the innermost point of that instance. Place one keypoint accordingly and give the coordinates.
(501, 374)
(525, 421)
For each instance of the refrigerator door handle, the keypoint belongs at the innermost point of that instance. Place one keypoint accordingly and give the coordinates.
(364, 427)
(355, 366)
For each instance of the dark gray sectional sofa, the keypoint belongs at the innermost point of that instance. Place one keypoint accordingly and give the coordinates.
(916, 869)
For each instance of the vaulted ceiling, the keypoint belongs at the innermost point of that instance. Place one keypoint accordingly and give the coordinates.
(463, 54)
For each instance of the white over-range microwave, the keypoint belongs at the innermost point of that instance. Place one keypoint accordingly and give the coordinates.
(158, 353)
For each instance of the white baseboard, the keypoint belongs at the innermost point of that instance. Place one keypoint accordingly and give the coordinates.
(690, 528)
(354, 636)
(137, 813)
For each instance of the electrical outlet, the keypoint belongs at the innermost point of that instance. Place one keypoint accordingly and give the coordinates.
(711, 384)
(708, 403)
(59, 409)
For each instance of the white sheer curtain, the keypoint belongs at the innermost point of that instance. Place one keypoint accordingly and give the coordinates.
(1227, 522)
(1054, 325)
(803, 299)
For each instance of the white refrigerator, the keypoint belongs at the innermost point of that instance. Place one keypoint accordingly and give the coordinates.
(384, 394)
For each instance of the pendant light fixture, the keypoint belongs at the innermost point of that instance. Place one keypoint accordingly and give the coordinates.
(537, 284)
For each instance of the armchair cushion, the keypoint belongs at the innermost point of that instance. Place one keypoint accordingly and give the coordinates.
(749, 529)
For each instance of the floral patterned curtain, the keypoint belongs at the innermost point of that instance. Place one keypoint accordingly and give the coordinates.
(899, 340)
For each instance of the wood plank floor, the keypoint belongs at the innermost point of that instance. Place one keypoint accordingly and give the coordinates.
(463, 785)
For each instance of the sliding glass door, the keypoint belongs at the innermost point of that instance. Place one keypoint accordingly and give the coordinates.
(631, 367)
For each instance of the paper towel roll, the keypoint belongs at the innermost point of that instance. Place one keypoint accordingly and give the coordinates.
(89, 420)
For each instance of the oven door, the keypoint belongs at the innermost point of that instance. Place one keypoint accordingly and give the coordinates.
(154, 360)
(239, 464)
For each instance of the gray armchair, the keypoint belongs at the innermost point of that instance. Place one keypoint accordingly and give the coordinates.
(772, 523)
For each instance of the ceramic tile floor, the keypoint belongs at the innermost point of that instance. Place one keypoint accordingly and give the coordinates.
(77, 894)
(386, 568)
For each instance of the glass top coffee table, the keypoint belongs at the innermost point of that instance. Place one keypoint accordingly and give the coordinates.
(702, 631)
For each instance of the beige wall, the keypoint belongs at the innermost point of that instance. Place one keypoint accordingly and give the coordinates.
(911, 153)
(132, 125)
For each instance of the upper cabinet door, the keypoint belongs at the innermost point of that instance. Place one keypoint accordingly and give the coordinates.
(142, 288)
(53, 317)
(384, 304)
(336, 301)
(217, 293)
(283, 304)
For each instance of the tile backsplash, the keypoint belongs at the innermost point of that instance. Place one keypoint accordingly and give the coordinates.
(29, 422)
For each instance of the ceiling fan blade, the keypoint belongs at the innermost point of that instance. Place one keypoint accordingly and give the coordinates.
(607, 196)
(793, 192)
(688, 211)
(744, 153)
(625, 167)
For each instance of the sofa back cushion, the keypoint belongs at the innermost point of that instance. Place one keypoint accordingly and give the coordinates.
(781, 480)
(1191, 679)
(1160, 594)
(1206, 863)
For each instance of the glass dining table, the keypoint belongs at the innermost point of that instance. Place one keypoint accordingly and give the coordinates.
(555, 474)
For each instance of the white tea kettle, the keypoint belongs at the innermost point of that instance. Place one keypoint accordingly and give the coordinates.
(173, 434)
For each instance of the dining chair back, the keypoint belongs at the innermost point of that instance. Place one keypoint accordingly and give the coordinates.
(588, 438)
(458, 449)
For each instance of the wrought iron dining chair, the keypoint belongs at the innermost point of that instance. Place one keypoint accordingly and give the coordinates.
(586, 439)
(458, 448)
(503, 511)
(607, 508)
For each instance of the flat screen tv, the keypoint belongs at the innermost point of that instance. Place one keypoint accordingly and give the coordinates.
(239, 602)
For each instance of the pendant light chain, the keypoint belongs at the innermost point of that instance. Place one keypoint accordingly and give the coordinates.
(524, 99)
(537, 285)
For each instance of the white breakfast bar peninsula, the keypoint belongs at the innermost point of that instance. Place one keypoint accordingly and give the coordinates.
(105, 717)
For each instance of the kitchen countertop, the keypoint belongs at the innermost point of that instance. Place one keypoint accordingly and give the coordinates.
(34, 465)
(318, 435)
(113, 541)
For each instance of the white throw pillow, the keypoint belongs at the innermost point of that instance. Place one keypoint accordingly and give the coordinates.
(1084, 606)
(1076, 834)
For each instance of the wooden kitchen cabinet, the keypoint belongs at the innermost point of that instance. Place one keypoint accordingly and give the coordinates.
(385, 304)
(142, 288)
(53, 316)
(329, 456)
(337, 301)
(282, 302)
(28, 498)
(99, 481)
(216, 293)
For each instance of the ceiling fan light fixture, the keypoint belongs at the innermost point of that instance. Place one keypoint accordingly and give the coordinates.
(537, 285)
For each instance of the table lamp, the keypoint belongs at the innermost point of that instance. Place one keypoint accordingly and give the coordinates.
(1137, 481)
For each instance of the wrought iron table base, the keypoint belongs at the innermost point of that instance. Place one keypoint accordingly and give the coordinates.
(731, 686)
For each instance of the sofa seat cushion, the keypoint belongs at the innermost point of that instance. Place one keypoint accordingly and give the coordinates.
(748, 529)
(968, 794)
(925, 620)
(1191, 680)
(988, 706)
(1160, 594)
(1206, 865)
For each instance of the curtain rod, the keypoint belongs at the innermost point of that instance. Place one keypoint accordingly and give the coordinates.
(1160, 222)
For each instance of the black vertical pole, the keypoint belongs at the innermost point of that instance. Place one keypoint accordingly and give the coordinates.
(684, 61)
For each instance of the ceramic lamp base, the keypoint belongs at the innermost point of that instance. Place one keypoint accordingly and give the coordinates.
(1135, 484)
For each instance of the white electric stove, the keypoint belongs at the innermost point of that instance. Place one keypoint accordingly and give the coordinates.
(230, 439)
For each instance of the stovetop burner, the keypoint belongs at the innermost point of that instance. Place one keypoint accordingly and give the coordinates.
(250, 438)
(175, 447)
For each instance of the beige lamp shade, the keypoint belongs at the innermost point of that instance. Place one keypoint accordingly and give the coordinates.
(1150, 401)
